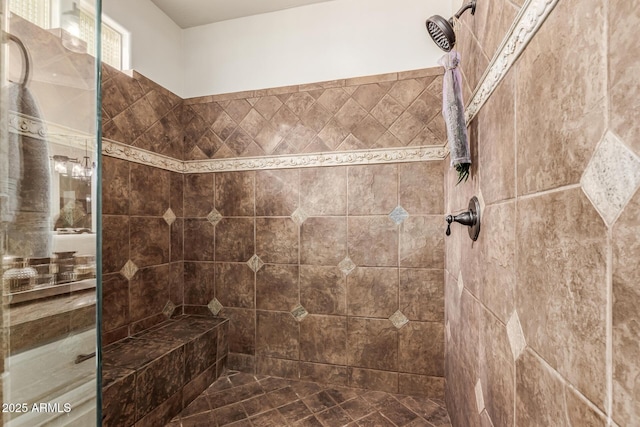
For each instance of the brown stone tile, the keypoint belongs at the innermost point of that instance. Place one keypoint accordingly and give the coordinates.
(198, 406)
(115, 294)
(323, 241)
(319, 402)
(335, 416)
(421, 385)
(242, 329)
(198, 194)
(268, 419)
(375, 420)
(574, 100)
(200, 354)
(421, 348)
(283, 368)
(373, 380)
(324, 339)
(326, 374)
(176, 285)
(322, 290)
(177, 240)
(235, 285)
(373, 241)
(299, 102)
(422, 294)
(118, 398)
(372, 189)
(295, 411)
(323, 191)
(115, 186)
(422, 242)
(149, 190)
(235, 193)
(429, 409)
(492, 23)
(234, 239)
(396, 412)
(115, 243)
(420, 187)
(277, 240)
(277, 192)
(369, 131)
(158, 381)
(199, 233)
(305, 388)
(257, 405)
(162, 413)
(624, 106)
(369, 95)
(149, 291)
(277, 287)
(198, 385)
(277, 335)
(229, 414)
(315, 118)
(496, 156)
(626, 297)
(149, 241)
(333, 134)
(199, 280)
(357, 408)
(373, 292)
(372, 343)
(241, 362)
(561, 265)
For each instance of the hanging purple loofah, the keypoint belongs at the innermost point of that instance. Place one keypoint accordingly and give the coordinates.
(453, 112)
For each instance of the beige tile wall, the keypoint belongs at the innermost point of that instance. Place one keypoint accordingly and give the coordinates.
(540, 310)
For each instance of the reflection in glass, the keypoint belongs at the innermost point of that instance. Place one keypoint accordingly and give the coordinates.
(48, 222)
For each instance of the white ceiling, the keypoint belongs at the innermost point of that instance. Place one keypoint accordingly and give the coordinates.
(192, 13)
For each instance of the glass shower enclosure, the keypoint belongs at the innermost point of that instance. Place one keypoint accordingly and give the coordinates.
(50, 212)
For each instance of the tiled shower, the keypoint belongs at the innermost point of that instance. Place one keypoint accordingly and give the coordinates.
(290, 242)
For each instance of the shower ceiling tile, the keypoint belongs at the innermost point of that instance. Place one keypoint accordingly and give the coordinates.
(611, 177)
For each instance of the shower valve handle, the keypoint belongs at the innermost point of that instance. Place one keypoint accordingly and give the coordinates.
(470, 218)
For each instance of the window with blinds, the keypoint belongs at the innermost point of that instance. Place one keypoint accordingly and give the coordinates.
(39, 13)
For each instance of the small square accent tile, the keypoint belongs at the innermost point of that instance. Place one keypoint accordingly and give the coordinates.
(168, 309)
(346, 266)
(611, 177)
(299, 313)
(129, 270)
(169, 216)
(398, 319)
(215, 307)
(479, 396)
(214, 217)
(255, 263)
(398, 215)
(299, 216)
(516, 336)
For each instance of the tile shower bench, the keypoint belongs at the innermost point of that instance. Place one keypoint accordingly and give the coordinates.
(150, 377)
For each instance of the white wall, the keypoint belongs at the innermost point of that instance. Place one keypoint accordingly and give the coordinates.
(325, 41)
(156, 41)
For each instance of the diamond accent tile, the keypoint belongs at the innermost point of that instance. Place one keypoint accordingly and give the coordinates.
(214, 217)
(215, 307)
(479, 396)
(460, 284)
(611, 177)
(398, 319)
(299, 216)
(299, 313)
(129, 270)
(168, 309)
(169, 216)
(346, 266)
(255, 263)
(398, 215)
(517, 342)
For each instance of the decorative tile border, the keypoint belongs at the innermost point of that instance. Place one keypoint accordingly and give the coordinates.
(356, 157)
(34, 127)
(531, 16)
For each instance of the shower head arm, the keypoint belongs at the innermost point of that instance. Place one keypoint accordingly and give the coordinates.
(471, 5)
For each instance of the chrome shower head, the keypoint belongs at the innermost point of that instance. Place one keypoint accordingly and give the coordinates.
(441, 30)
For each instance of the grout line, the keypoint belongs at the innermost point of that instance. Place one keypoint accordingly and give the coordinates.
(609, 328)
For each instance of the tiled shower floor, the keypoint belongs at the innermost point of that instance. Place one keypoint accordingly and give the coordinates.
(239, 399)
